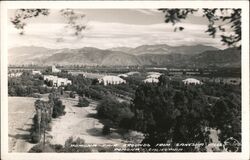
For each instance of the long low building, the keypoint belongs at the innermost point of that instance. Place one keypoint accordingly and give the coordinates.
(57, 82)
(17, 74)
(36, 72)
(192, 81)
(111, 80)
(151, 80)
(156, 76)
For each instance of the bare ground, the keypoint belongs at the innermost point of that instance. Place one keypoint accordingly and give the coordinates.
(20, 114)
(79, 122)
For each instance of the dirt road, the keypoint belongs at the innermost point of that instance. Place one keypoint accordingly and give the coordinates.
(79, 122)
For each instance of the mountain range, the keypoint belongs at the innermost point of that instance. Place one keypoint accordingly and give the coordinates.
(158, 55)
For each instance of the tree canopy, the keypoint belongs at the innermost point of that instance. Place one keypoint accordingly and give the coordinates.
(224, 20)
(74, 20)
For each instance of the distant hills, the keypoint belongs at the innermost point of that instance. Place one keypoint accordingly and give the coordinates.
(160, 54)
(165, 49)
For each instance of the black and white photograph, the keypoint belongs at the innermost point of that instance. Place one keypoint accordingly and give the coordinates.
(125, 80)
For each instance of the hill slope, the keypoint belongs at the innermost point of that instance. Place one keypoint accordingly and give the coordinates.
(154, 55)
(166, 49)
(223, 58)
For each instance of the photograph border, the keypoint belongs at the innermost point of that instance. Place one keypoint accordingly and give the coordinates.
(244, 5)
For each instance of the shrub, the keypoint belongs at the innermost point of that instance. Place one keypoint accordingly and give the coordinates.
(57, 147)
(94, 93)
(105, 148)
(114, 111)
(37, 148)
(83, 102)
(72, 94)
(49, 127)
(72, 145)
(47, 148)
(106, 130)
(35, 137)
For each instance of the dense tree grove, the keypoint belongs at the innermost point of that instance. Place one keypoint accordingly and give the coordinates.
(176, 113)
(26, 85)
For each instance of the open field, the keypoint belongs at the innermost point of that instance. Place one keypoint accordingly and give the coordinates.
(21, 112)
(79, 122)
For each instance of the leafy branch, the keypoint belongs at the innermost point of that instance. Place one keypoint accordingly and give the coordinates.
(227, 21)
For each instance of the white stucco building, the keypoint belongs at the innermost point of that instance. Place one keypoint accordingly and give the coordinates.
(111, 80)
(151, 80)
(57, 82)
(156, 76)
(156, 73)
(192, 81)
(54, 69)
(15, 74)
(36, 72)
(132, 73)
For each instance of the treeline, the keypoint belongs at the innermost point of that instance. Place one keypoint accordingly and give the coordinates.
(45, 111)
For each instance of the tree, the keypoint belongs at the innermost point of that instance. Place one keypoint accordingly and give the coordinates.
(74, 20)
(72, 94)
(22, 14)
(95, 81)
(58, 107)
(227, 118)
(168, 115)
(218, 20)
(114, 111)
(75, 145)
(106, 130)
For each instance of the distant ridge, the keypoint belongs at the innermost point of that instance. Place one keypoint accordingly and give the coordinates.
(165, 49)
(160, 54)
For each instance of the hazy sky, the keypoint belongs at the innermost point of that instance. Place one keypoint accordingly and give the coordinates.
(107, 28)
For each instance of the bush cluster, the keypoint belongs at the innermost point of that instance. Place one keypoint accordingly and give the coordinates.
(83, 102)
(71, 146)
(115, 112)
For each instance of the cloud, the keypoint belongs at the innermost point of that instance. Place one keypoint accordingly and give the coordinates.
(107, 35)
(148, 11)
